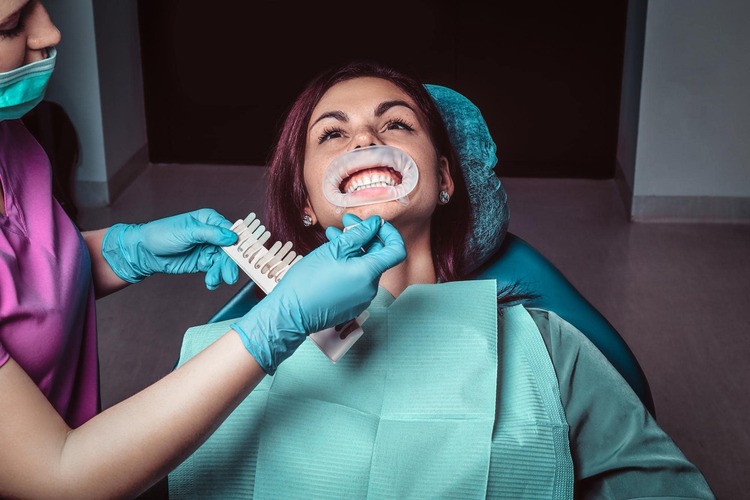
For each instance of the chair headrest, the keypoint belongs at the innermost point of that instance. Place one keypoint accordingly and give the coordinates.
(478, 155)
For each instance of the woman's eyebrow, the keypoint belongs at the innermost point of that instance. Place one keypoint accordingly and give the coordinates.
(385, 106)
(337, 115)
(379, 111)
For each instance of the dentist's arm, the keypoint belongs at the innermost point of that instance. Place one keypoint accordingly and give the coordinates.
(130, 446)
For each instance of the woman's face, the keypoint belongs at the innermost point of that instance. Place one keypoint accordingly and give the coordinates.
(359, 113)
(26, 32)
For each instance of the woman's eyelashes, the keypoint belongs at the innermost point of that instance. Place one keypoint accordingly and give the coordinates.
(15, 29)
(399, 124)
(330, 133)
(11, 33)
(392, 124)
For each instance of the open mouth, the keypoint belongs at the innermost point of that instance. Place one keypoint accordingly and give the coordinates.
(368, 175)
(370, 178)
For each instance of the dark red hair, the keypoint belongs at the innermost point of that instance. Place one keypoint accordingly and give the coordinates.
(287, 196)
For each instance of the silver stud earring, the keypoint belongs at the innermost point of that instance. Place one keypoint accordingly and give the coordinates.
(444, 197)
(307, 220)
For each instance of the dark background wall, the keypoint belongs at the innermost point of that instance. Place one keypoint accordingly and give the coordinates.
(218, 77)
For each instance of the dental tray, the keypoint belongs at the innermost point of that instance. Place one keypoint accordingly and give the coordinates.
(266, 266)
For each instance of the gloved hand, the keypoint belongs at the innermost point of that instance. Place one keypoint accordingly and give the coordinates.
(331, 285)
(185, 243)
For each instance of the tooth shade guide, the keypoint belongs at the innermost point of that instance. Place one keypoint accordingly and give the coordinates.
(266, 266)
(263, 265)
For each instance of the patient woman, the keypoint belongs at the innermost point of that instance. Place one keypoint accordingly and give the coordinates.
(454, 390)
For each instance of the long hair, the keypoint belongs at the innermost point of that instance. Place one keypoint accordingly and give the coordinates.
(287, 194)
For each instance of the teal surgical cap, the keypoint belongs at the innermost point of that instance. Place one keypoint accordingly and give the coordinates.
(478, 155)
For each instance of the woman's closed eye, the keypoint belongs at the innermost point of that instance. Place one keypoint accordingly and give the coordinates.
(13, 32)
(14, 25)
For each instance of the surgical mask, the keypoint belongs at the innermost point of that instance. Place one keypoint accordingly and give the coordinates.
(23, 88)
(374, 174)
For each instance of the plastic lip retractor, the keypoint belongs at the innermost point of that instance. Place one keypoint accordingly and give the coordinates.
(374, 174)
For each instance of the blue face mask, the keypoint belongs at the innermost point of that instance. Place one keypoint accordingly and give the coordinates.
(23, 88)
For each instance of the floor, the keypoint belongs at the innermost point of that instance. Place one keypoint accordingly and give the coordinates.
(678, 293)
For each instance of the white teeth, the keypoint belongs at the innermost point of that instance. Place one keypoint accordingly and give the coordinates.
(396, 171)
(368, 181)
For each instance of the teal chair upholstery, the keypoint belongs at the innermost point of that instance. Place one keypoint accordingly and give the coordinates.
(516, 261)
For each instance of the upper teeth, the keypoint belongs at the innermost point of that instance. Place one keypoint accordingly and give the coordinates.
(370, 180)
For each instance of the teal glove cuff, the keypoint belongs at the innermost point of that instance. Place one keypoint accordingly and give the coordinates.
(117, 258)
(258, 348)
(271, 348)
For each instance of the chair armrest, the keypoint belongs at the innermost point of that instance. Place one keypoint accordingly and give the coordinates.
(240, 303)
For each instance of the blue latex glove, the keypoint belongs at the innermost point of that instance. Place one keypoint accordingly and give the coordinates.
(331, 285)
(181, 244)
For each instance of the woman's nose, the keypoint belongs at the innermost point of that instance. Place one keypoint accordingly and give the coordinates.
(41, 32)
(364, 138)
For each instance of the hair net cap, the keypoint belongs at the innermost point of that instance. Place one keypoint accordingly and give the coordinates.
(478, 155)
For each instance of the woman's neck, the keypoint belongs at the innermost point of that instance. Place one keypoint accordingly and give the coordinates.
(418, 267)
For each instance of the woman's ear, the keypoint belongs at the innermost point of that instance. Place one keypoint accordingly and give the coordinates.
(444, 172)
(309, 212)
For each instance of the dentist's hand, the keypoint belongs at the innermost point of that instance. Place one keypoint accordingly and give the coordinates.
(185, 243)
(331, 285)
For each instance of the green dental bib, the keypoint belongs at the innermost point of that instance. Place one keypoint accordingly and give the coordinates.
(408, 412)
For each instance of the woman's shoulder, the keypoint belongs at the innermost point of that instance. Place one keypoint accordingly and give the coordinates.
(571, 351)
(576, 360)
(556, 331)
(616, 444)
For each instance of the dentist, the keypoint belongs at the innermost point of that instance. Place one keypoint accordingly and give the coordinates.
(55, 441)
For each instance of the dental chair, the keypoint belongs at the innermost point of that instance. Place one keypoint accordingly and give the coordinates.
(504, 257)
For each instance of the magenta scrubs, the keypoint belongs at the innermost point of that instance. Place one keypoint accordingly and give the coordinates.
(47, 311)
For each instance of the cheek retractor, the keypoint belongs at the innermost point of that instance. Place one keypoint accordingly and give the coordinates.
(374, 174)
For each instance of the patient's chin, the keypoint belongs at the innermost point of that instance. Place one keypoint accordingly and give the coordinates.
(387, 210)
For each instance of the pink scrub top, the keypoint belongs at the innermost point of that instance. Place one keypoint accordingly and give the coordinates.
(47, 310)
